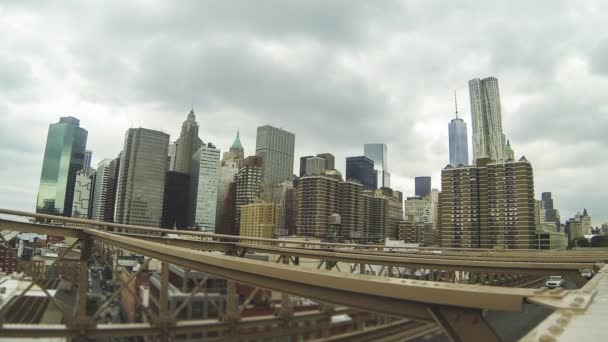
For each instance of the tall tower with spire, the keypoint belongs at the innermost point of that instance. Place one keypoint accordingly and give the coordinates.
(237, 148)
(459, 146)
(187, 143)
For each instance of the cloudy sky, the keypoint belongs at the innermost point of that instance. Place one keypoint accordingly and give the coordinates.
(338, 74)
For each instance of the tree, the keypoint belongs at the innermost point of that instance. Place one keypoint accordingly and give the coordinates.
(599, 241)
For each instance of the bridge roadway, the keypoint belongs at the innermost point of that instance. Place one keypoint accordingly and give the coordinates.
(455, 307)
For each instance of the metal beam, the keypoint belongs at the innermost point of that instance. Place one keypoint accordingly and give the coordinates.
(461, 325)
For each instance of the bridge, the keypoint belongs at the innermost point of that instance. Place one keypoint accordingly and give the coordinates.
(411, 292)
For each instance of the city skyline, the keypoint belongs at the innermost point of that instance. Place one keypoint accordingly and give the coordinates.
(538, 112)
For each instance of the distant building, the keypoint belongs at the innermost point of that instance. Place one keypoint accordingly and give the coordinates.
(318, 199)
(578, 226)
(249, 184)
(104, 194)
(287, 199)
(303, 165)
(259, 220)
(88, 157)
(229, 167)
(63, 157)
(314, 166)
(394, 212)
(276, 148)
(141, 178)
(176, 200)
(548, 213)
(361, 169)
(488, 138)
(488, 205)
(187, 144)
(171, 158)
(459, 143)
(378, 153)
(412, 232)
(330, 160)
(82, 193)
(422, 186)
(203, 188)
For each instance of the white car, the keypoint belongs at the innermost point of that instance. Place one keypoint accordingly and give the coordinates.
(587, 274)
(555, 281)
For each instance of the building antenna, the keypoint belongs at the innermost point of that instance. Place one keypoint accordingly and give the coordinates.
(456, 104)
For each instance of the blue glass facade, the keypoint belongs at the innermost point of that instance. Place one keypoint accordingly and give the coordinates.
(459, 146)
(63, 157)
(361, 169)
(422, 186)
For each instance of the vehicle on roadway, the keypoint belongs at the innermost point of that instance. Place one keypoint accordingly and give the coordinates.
(555, 281)
(587, 274)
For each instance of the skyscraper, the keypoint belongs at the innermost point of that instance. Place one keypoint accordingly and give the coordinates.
(82, 192)
(237, 148)
(315, 165)
(203, 186)
(459, 145)
(303, 165)
(330, 160)
(187, 144)
(488, 138)
(378, 153)
(104, 195)
(176, 200)
(88, 156)
(362, 169)
(422, 186)
(63, 157)
(275, 146)
(141, 178)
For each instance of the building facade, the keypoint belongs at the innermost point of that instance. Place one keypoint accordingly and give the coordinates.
(249, 185)
(187, 144)
(379, 154)
(489, 205)
(330, 160)
(458, 142)
(104, 194)
(314, 166)
(486, 115)
(82, 194)
(63, 157)
(259, 220)
(176, 200)
(276, 148)
(318, 199)
(422, 186)
(204, 181)
(141, 178)
(361, 169)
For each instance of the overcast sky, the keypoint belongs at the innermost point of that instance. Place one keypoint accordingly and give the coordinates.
(338, 74)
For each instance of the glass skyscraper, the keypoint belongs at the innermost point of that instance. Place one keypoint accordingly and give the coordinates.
(459, 146)
(63, 157)
(378, 153)
(362, 169)
(276, 147)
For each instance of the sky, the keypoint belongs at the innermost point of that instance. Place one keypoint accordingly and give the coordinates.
(336, 73)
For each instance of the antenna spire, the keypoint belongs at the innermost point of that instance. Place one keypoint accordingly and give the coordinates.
(456, 104)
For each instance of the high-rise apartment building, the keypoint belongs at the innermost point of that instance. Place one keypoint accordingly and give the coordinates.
(104, 194)
(187, 144)
(394, 210)
(488, 205)
(351, 210)
(318, 199)
(82, 194)
(422, 186)
(141, 178)
(361, 169)
(378, 153)
(249, 185)
(459, 142)
(204, 180)
(489, 140)
(63, 157)
(276, 147)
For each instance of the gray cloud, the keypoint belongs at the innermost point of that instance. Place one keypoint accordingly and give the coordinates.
(338, 74)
